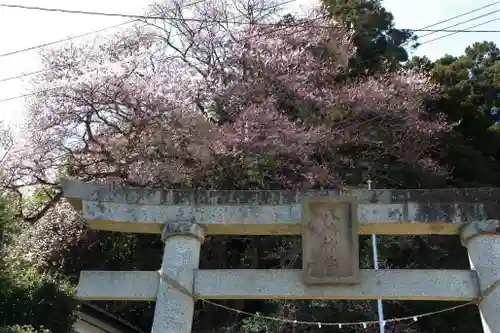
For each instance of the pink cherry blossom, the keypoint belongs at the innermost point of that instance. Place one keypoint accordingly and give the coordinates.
(275, 110)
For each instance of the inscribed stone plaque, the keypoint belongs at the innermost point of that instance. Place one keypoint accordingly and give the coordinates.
(330, 246)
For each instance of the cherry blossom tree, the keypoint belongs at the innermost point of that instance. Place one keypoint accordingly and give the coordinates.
(269, 107)
(296, 70)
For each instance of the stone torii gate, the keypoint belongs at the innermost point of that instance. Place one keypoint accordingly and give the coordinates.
(329, 223)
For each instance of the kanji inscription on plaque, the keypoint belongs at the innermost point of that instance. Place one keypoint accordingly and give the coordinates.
(330, 246)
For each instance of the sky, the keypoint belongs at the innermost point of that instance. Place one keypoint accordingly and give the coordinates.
(25, 28)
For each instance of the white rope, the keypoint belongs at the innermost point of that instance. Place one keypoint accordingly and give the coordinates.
(364, 324)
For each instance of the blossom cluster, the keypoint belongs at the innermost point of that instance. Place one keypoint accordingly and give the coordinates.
(276, 112)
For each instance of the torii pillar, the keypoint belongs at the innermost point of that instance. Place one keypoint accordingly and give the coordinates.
(175, 299)
(482, 240)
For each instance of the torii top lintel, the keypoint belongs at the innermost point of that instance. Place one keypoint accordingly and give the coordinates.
(265, 212)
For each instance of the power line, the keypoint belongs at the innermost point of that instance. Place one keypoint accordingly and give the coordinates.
(27, 95)
(31, 48)
(459, 23)
(20, 76)
(435, 39)
(189, 4)
(84, 34)
(246, 38)
(447, 30)
(132, 16)
(253, 36)
(152, 17)
(39, 46)
(97, 31)
(453, 32)
(461, 15)
(466, 30)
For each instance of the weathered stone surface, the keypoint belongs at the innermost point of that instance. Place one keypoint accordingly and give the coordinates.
(387, 219)
(409, 284)
(150, 196)
(124, 285)
(330, 249)
(381, 212)
(174, 307)
(479, 227)
(184, 228)
(482, 239)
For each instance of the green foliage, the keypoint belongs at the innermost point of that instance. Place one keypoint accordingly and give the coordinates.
(28, 297)
(22, 329)
(257, 325)
(471, 84)
(31, 301)
(376, 38)
(6, 222)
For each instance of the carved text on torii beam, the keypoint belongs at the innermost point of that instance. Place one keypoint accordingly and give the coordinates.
(330, 246)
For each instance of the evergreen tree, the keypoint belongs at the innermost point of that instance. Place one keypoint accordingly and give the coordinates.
(380, 46)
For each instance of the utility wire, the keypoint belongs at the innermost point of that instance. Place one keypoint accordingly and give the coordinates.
(425, 42)
(27, 94)
(20, 76)
(136, 20)
(84, 34)
(97, 31)
(31, 48)
(132, 16)
(153, 17)
(245, 38)
(466, 30)
(461, 15)
(460, 23)
(39, 46)
(137, 17)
